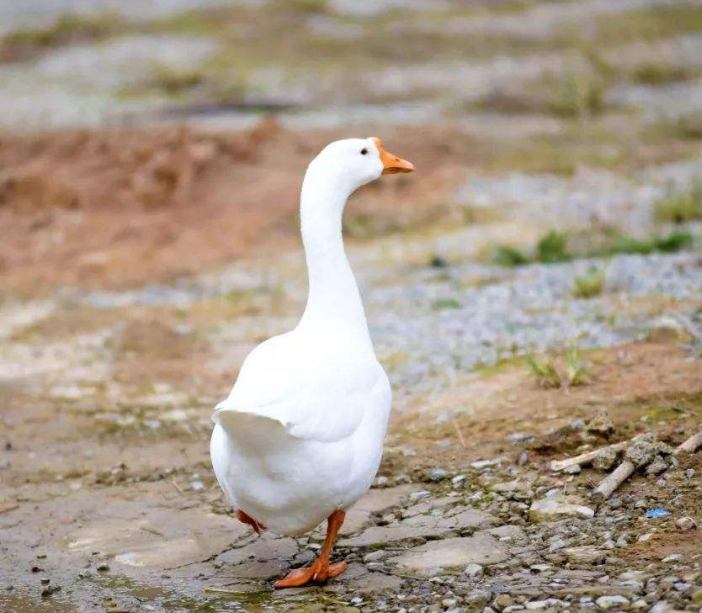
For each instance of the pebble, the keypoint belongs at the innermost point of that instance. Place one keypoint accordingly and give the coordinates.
(50, 589)
(474, 570)
(611, 602)
(686, 523)
(437, 474)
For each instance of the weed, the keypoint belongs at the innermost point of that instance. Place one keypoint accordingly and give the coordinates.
(661, 74)
(590, 284)
(504, 255)
(21, 44)
(577, 372)
(446, 303)
(544, 371)
(548, 377)
(680, 206)
(552, 247)
(576, 95)
(675, 241)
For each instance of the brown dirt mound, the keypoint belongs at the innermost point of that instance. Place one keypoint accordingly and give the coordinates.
(116, 208)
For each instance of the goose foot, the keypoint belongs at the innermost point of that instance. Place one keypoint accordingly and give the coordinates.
(245, 519)
(321, 570)
(317, 573)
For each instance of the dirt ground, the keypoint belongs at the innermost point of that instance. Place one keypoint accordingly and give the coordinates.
(533, 291)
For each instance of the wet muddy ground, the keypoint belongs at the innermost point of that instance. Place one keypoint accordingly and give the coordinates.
(533, 291)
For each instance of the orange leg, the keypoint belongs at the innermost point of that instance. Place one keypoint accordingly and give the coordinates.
(321, 570)
(245, 519)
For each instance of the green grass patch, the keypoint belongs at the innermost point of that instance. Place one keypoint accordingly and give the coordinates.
(661, 74)
(679, 206)
(657, 22)
(572, 373)
(70, 28)
(590, 284)
(553, 247)
(446, 303)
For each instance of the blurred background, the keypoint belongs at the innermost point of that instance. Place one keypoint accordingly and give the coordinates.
(151, 155)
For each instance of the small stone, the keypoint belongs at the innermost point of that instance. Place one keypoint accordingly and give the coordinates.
(606, 459)
(686, 523)
(437, 474)
(585, 555)
(612, 602)
(49, 590)
(559, 507)
(690, 473)
(103, 567)
(473, 570)
(601, 424)
(573, 470)
(523, 459)
(419, 495)
(556, 545)
(502, 601)
(196, 486)
(657, 467)
(45, 581)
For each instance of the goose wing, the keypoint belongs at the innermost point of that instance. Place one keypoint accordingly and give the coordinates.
(313, 394)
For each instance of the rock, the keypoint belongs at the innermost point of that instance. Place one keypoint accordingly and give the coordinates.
(601, 424)
(686, 523)
(437, 474)
(261, 550)
(611, 602)
(375, 501)
(502, 601)
(606, 459)
(473, 570)
(573, 470)
(382, 535)
(657, 467)
(558, 507)
(507, 532)
(468, 518)
(50, 590)
(669, 329)
(585, 555)
(453, 552)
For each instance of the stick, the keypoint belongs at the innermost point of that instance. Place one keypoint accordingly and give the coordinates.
(588, 457)
(460, 434)
(691, 445)
(611, 482)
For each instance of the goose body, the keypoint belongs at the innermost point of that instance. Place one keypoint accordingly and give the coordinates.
(300, 437)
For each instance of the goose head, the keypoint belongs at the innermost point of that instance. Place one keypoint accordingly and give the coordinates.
(345, 165)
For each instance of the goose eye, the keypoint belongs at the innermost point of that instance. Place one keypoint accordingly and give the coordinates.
(364, 151)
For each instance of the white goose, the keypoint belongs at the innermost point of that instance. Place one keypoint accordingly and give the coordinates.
(300, 437)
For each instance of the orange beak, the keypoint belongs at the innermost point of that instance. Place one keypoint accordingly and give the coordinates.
(391, 163)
